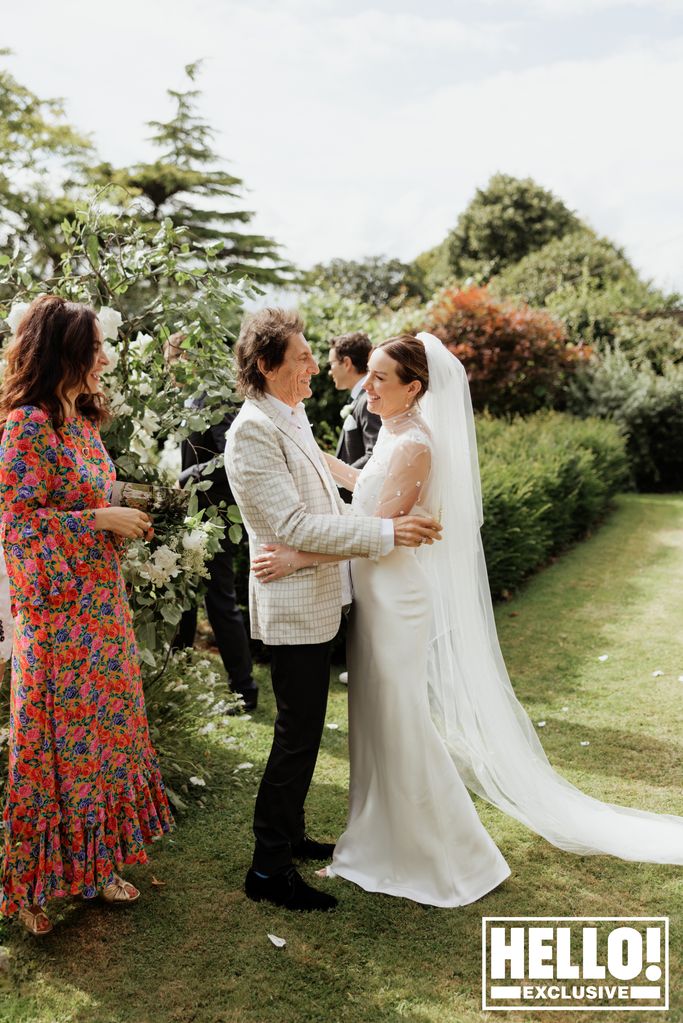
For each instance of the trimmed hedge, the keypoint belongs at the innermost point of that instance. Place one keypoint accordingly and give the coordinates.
(546, 481)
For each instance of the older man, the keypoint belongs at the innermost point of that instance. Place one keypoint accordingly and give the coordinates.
(287, 495)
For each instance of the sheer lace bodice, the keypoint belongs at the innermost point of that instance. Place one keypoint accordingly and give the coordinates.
(395, 480)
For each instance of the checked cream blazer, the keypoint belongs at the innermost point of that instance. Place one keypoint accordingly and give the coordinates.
(286, 495)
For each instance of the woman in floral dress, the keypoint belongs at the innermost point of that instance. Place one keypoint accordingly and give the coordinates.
(84, 789)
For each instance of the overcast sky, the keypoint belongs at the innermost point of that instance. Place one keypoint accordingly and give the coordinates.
(364, 128)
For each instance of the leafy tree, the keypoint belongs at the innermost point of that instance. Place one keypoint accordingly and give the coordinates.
(188, 186)
(435, 266)
(590, 285)
(565, 262)
(375, 281)
(37, 148)
(517, 358)
(503, 223)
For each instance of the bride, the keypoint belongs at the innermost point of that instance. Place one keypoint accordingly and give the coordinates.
(431, 708)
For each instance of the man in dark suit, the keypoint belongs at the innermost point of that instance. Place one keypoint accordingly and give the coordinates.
(348, 368)
(222, 608)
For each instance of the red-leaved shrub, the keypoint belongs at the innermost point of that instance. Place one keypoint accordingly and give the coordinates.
(517, 358)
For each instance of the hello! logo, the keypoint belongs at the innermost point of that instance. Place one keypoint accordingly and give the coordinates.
(575, 962)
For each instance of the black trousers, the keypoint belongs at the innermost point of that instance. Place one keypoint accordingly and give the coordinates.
(301, 678)
(226, 621)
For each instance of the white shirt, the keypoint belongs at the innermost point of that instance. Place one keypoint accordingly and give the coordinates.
(298, 416)
(357, 387)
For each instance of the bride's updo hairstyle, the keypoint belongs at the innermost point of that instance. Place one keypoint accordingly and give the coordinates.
(411, 360)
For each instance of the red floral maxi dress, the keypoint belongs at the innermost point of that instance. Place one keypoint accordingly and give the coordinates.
(84, 788)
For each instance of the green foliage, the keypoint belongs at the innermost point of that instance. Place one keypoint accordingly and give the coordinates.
(565, 262)
(375, 281)
(187, 185)
(503, 223)
(435, 266)
(588, 283)
(546, 481)
(656, 339)
(37, 149)
(647, 406)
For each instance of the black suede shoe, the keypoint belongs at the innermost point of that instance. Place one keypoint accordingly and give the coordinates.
(309, 849)
(288, 890)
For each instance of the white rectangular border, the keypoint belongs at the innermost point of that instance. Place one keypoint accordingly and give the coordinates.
(577, 1008)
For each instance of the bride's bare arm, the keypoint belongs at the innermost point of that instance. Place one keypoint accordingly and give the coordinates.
(343, 474)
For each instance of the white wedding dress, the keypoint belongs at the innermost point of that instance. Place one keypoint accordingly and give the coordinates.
(431, 706)
(413, 830)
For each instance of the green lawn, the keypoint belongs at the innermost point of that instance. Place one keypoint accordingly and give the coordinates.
(196, 949)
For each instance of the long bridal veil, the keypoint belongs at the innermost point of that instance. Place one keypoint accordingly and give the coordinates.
(489, 735)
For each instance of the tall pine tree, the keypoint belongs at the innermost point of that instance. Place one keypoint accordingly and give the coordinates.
(188, 185)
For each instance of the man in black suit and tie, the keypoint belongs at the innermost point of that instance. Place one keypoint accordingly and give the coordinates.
(348, 368)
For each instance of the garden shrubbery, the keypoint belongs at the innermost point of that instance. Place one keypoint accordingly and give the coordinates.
(546, 481)
(517, 359)
(647, 406)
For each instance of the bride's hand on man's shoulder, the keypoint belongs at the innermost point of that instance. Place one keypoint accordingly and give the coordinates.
(276, 562)
(414, 530)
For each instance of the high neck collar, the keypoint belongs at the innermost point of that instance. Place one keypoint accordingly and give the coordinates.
(402, 421)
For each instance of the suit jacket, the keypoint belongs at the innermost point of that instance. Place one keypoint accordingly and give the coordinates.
(355, 445)
(286, 495)
(200, 448)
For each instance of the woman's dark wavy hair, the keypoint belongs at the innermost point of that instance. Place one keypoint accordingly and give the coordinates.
(52, 353)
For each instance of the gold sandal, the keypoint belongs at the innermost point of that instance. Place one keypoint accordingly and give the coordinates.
(35, 920)
(120, 891)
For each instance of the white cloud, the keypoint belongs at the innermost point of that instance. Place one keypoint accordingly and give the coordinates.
(362, 130)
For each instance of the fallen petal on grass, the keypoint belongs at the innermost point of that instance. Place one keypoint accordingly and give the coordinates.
(278, 942)
(541, 724)
(584, 742)
(245, 766)
(332, 726)
(603, 657)
(656, 674)
(157, 884)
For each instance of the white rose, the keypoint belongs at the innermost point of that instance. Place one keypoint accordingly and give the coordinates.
(113, 356)
(195, 540)
(16, 315)
(166, 560)
(110, 320)
(141, 343)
